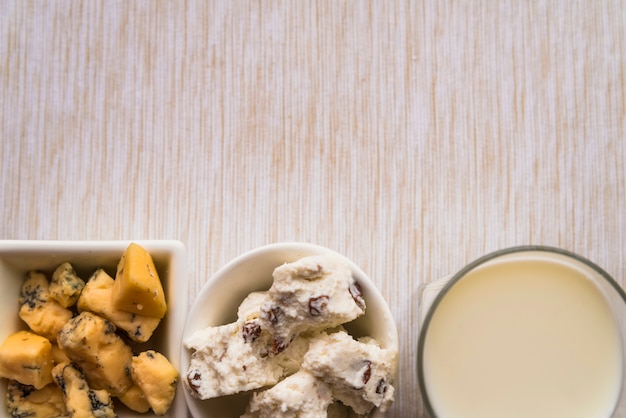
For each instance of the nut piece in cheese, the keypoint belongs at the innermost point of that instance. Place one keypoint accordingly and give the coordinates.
(44, 315)
(26, 401)
(157, 378)
(91, 342)
(65, 286)
(134, 399)
(81, 401)
(96, 298)
(27, 358)
(137, 287)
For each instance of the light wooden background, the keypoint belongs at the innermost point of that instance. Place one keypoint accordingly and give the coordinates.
(412, 137)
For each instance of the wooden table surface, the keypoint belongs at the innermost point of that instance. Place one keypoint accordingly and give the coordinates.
(413, 137)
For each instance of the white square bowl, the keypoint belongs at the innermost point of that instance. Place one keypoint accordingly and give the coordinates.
(18, 257)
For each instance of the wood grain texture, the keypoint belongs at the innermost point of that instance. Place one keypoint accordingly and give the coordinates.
(411, 136)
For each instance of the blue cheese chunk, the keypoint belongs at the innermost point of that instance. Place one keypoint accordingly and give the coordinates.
(27, 358)
(26, 401)
(81, 401)
(65, 286)
(91, 342)
(135, 399)
(44, 315)
(157, 378)
(96, 298)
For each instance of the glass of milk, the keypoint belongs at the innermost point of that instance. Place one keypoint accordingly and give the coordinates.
(524, 332)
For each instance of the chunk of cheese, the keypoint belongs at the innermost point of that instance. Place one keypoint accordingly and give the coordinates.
(157, 378)
(44, 315)
(81, 401)
(26, 401)
(91, 342)
(137, 286)
(27, 358)
(134, 399)
(96, 297)
(298, 395)
(359, 372)
(65, 286)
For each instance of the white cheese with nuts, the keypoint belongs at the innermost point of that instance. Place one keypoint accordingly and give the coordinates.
(313, 293)
(300, 395)
(358, 372)
(275, 343)
(228, 359)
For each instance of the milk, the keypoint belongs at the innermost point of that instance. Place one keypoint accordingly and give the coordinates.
(523, 338)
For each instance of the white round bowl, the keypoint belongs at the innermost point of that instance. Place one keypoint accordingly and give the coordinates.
(218, 301)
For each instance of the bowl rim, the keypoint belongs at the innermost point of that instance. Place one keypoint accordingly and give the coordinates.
(27, 246)
(477, 263)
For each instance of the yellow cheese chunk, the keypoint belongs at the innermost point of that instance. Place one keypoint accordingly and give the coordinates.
(44, 315)
(96, 297)
(65, 286)
(134, 399)
(137, 286)
(27, 358)
(26, 401)
(91, 342)
(157, 378)
(81, 401)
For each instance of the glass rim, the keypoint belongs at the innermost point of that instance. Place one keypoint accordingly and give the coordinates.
(477, 263)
